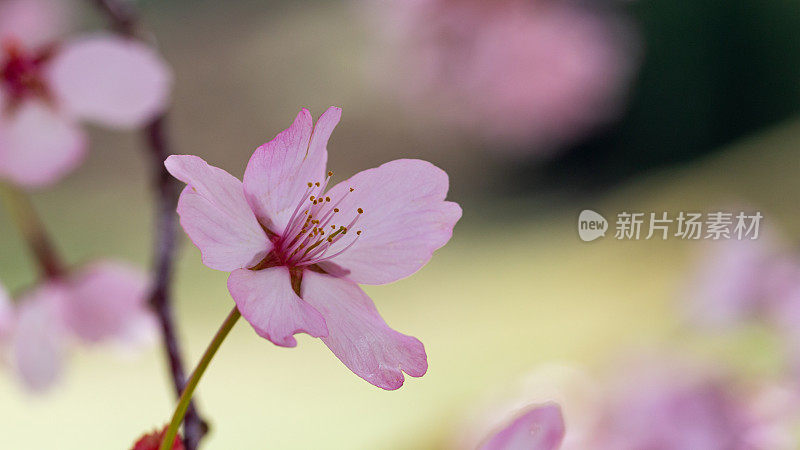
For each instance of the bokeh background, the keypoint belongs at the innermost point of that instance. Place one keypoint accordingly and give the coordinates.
(705, 117)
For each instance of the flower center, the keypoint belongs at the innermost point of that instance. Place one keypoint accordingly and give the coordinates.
(313, 233)
(22, 73)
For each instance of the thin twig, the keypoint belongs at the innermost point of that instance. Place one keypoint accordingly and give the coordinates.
(167, 190)
(121, 16)
(123, 21)
(194, 380)
(33, 230)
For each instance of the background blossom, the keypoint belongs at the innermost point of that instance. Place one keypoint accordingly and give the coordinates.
(526, 76)
(102, 302)
(47, 87)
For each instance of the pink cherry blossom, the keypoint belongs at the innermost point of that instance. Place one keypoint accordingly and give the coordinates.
(101, 302)
(674, 405)
(749, 281)
(296, 249)
(47, 87)
(6, 314)
(740, 281)
(575, 391)
(524, 74)
(728, 285)
(538, 428)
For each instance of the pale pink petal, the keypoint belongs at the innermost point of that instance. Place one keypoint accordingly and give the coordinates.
(279, 171)
(728, 287)
(110, 80)
(215, 215)
(34, 23)
(540, 428)
(104, 299)
(38, 146)
(39, 337)
(359, 336)
(266, 300)
(405, 219)
(7, 314)
(140, 331)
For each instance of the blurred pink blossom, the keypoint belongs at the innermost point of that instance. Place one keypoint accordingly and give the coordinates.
(729, 284)
(296, 250)
(571, 388)
(6, 314)
(528, 75)
(654, 402)
(540, 427)
(48, 86)
(667, 405)
(104, 301)
(749, 281)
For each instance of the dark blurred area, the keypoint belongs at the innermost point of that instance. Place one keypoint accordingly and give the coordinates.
(711, 72)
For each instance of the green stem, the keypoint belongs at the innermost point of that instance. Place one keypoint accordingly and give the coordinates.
(191, 384)
(32, 229)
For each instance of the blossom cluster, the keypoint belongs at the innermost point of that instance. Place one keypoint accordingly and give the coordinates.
(659, 401)
(103, 302)
(741, 282)
(49, 84)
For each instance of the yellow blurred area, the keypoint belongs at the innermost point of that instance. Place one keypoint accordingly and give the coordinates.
(515, 287)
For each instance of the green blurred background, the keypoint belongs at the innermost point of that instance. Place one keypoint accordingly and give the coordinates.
(711, 123)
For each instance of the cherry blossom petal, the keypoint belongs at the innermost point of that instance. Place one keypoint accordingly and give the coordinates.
(6, 314)
(39, 337)
(359, 336)
(405, 219)
(38, 146)
(105, 299)
(34, 23)
(266, 299)
(215, 215)
(110, 80)
(540, 428)
(279, 171)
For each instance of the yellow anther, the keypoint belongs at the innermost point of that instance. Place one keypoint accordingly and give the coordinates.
(358, 232)
(360, 211)
(335, 209)
(351, 189)
(316, 184)
(330, 173)
(327, 199)
(310, 184)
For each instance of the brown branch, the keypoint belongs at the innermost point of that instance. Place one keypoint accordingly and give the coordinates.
(167, 191)
(121, 16)
(34, 232)
(123, 21)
